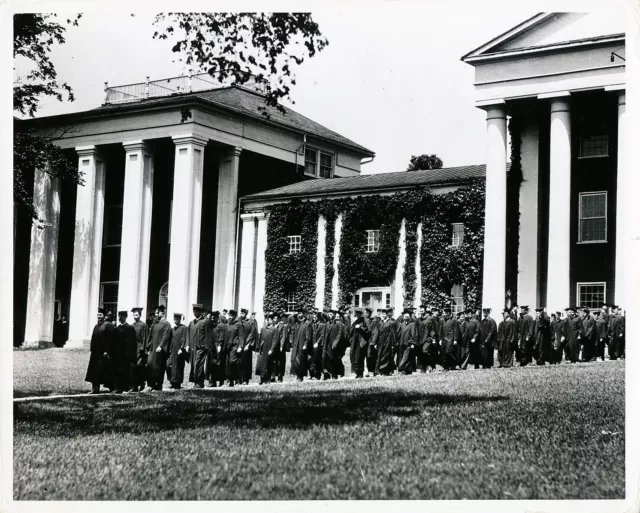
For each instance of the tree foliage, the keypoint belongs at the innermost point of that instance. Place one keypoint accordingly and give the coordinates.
(239, 47)
(423, 162)
(34, 36)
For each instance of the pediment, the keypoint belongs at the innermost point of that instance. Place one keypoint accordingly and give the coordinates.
(548, 29)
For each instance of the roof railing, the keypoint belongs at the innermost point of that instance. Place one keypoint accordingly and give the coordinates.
(172, 86)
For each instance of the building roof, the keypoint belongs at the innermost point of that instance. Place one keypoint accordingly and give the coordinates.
(233, 99)
(377, 182)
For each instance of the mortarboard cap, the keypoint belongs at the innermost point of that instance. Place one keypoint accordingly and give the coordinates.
(101, 310)
(198, 306)
(233, 313)
(177, 314)
(244, 311)
(122, 312)
(136, 309)
(161, 308)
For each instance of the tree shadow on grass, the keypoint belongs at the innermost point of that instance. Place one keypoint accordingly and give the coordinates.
(144, 413)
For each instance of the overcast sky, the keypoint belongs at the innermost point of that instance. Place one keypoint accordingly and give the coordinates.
(391, 78)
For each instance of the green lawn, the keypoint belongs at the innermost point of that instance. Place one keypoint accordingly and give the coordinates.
(533, 433)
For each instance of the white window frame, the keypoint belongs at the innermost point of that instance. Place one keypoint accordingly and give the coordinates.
(580, 156)
(319, 153)
(102, 284)
(290, 301)
(590, 283)
(455, 239)
(385, 291)
(105, 235)
(606, 217)
(295, 243)
(457, 308)
(373, 245)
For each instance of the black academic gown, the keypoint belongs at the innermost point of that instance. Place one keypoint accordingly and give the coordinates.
(360, 336)
(198, 354)
(387, 342)
(471, 344)
(451, 337)
(507, 339)
(142, 336)
(373, 325)
(284, 346)
(525, 328)
(177, 356)
(217, 358)
(542, 347)
(301, 346)
(127, 355)
(101, 339)
(248, 337)
(319, 339)
(231, 345)
(602, 337)
(267, 351)
(407, 342)
(429, 341)
(330, 357)
(576, 332)
(488, 341)
(160, 337)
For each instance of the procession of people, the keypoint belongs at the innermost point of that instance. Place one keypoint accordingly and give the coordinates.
(220, 348)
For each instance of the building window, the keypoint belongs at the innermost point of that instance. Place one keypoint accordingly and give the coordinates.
(387, 302)
(109, 297)
(291, 301)
(457, 300)
(591, 295)
(318, 163)
(295, 243)
(375, 298)
(373, 241)
(457, 234)
(594, 145)
(113, 225)
(356, 300)
(593, 217)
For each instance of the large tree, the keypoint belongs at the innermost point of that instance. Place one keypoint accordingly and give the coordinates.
(34, 36)
(422, 162)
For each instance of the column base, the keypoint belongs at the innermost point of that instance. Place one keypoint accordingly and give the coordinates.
(36, 344)
(78, 344)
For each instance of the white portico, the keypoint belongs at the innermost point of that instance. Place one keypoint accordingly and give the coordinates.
(158, 209)
(561, 78)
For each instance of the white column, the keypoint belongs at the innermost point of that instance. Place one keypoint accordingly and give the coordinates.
(136, 226)
(321, 250)
(558, 274)
(336, 260)
(495, 220)
(184, 256)
(87, 251)
(226, 230)
(247, 258)
(418, 299)
(399, 281)
(260, 271)
(43, 262)
(625, 183)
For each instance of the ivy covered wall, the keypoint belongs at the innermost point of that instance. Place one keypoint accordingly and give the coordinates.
(441, 266)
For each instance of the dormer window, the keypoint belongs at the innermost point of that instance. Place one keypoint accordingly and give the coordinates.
(318, 163)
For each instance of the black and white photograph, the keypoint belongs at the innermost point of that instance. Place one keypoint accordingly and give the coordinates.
(321, 253)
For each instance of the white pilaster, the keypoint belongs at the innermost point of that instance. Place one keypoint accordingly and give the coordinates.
(136, 226)
(226, 229)
(528, 208)
(336, 260)
(558, 275)
(247, 258)
(495, 232)
(260, 271)
(418, 299)
(399, 281)
(184, 257)
(625, 183)
(321, 250)
(87, 251)
(43, 262)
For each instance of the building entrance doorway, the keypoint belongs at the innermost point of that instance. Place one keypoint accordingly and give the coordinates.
(372, 297)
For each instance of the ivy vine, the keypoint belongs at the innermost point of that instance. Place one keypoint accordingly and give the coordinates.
(514, 180)
(409, 273)
(330, 243)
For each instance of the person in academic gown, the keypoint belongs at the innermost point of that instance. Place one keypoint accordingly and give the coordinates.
(422, 322)
(555, 329)
(248, 338)
(602, 334)
(142, 336)
(232, 347)
(360, 336)
(589, 338)
(267, 349)
(126, 353)
(197, 344)
(407, 341)
(387, 342)
(177, 352)
(301, 346)
(471, 353)
(618, 333)
(525, 329)
(450, 338)
(217, 357)
(373, 325)
(507, 339)
(284, 346)
(542, 337)
(576, 333)
(319, 336)
(101, 339)
(429, 340)
(488, 338)
(158, 350)
(333, 338)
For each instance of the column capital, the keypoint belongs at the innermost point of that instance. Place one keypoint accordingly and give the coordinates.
(194, 139)
(247, 217)
(136, 146)
(87, 151)
(234, 151)
(622, 98)
(560, 104)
